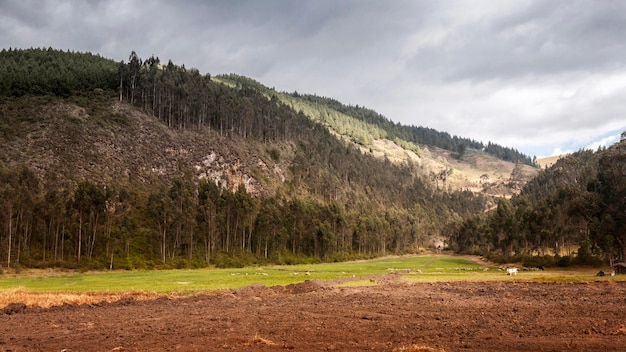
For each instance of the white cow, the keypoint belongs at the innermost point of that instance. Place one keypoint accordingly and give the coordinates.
(511, 271)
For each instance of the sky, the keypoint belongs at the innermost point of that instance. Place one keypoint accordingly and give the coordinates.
(543, 77)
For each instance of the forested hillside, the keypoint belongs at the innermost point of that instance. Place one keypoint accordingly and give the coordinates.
(575, 209)
(140, 164)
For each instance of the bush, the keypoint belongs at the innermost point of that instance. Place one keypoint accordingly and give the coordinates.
(585, 257)
(274, 154)
(499, 258)
(180, 263)
(289, 258)
(564, 261)
(545, 261)
(225, 260)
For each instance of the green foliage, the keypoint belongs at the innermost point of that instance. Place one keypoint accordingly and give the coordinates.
(288, 258)
(55, 72)
(408, 146)
(410, 136)
(585, 257)
(183, 225)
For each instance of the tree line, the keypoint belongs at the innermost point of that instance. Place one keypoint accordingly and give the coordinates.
(53, 72)
(191, 224)
(185, 99)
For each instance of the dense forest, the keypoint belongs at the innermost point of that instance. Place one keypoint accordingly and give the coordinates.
(56, 72)
(335, 203)
(574, 211)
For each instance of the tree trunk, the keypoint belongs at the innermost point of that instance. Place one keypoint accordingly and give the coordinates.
(93, 236)
(80, 236)
(56, 242)
(163, 254)
(10, 235)
(190, 247)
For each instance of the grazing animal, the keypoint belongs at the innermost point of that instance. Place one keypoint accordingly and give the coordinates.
(511, 271)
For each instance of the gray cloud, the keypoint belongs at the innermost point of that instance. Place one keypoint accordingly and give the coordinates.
(535, 38)
(535, 75)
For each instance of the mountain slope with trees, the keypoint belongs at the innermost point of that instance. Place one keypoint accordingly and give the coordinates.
(573, 211)
(363, 125)
(141, 165)
(449, 162)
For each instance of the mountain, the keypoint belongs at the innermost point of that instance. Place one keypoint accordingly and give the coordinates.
(139, 164)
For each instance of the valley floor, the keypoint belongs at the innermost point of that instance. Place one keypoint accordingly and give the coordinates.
(390, 316)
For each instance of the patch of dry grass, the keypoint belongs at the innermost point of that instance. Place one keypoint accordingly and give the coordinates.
(258, 340)
(548, 161)
(416, 348)
(50, 299)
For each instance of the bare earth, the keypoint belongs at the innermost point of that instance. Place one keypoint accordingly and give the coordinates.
(391, 316)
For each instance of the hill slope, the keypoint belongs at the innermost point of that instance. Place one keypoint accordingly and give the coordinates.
(97, 182)
(576, 206)
(448, 162)
(187, 170)
(113, 142)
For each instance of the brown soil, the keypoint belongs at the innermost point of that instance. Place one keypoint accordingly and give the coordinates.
(391, 316)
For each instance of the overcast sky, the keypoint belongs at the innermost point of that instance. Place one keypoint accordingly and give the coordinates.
(544, 77)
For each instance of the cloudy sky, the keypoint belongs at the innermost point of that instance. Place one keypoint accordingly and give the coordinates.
(544, 77)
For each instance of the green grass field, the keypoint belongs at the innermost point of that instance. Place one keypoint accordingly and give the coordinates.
(426, 268)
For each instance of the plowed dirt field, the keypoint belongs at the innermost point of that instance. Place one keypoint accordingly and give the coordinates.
(312, 316)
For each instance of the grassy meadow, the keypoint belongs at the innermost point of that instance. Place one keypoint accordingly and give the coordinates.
(56, 287)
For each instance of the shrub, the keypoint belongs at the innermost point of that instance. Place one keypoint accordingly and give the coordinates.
(563, 261)
(289, 258)
(545, 261)
(585, 257)
(224, 260)
(274, 154)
